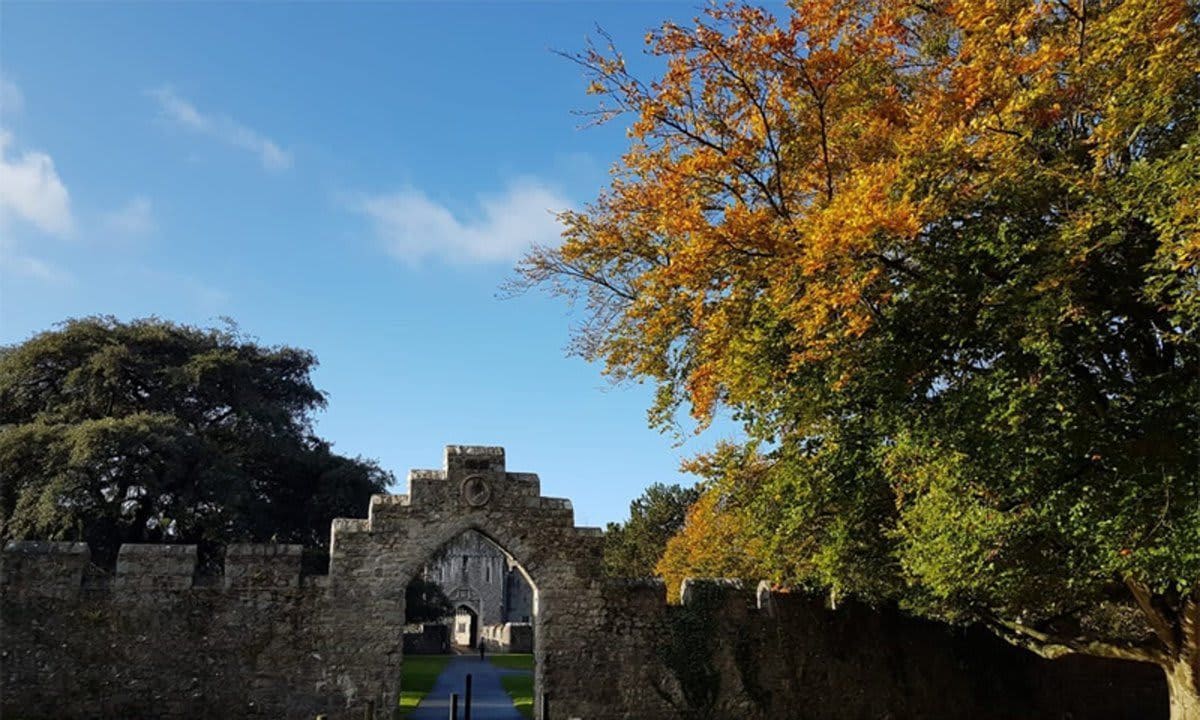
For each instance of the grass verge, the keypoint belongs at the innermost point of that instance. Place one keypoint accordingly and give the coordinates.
(519, 686)
(417, 678)
(513, 661)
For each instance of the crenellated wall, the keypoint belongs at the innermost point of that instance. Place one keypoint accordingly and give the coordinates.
(508, 637)
(156, 640)
(753, 653)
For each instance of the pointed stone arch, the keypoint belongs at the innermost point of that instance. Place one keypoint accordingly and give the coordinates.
(372, 560)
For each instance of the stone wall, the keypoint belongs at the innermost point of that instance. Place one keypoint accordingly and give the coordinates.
(509, 637)
(156, 640)
(730, 653)
(153, 640)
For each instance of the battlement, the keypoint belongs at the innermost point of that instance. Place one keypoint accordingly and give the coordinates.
(472, 476)
(57, 569)
(726, 594)
(473, 487)
(249, 566)
(44, 569)
(470, 459)
(386, 506)
(156, 567)
(644, 597)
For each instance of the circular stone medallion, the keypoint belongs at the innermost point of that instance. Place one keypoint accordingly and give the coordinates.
(476, 491)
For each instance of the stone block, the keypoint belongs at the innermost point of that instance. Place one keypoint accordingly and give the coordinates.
(155, 567)
(262, 567)
(43, 569)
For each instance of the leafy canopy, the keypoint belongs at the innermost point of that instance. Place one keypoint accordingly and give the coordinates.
(633, 548)
(425, 602)
(150, 431)
(941, 260)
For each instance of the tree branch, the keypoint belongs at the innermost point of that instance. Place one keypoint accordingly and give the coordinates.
(1052, 647)
(1189, 625)
(1163, 628)
(752, 96)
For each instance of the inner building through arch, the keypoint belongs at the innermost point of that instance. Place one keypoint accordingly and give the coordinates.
(470, 611)
(489, 592)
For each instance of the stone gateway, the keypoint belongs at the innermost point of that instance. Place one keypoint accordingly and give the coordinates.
(262, 640)
(156, 640)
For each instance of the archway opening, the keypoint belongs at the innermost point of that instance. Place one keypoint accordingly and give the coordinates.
(466, 628)
(471, 608)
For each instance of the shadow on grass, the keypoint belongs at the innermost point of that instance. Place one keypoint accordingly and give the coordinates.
(518, 685)
(417, 678)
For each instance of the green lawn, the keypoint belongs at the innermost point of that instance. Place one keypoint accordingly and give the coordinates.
(420, 672)
(519, 686)
(513, 661)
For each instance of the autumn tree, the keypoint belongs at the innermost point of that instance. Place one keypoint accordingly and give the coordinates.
(716, 538)
(633, 548)
(941, 259)
(150, 431)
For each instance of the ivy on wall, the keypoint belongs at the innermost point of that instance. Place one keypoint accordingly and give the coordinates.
(687, 651)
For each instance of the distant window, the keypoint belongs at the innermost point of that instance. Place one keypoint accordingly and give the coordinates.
(464, 567)
(488, 567)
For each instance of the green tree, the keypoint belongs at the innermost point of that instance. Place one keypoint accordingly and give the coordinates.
(150, 431)
(633, 548)
(942, 259)
(425, 602)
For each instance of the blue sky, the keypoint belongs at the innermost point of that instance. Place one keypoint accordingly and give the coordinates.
(355, 179)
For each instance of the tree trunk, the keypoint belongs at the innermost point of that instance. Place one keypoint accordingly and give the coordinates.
(1183, 686)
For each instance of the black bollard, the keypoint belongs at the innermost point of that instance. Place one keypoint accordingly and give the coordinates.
(545, 706)
(467, 700)
(369, 713)
(453, 706)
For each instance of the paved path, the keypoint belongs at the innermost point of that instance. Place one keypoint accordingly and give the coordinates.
(488, 699)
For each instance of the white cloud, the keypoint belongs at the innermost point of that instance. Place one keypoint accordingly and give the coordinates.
(133, 219)
(31, 267)
(15, 262)
(199, 294)
(31, 190)
(11, 99)
(223, 128)
(413, 227)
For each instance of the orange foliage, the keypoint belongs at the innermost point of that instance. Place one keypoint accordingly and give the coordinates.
(712, 544)
(718, 538)
(781, 171)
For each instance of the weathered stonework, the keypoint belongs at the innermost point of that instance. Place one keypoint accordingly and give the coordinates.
(158, 641)
(476, 574)
(287, 646)
(155, 641)
(372, 562)
(786, 655)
